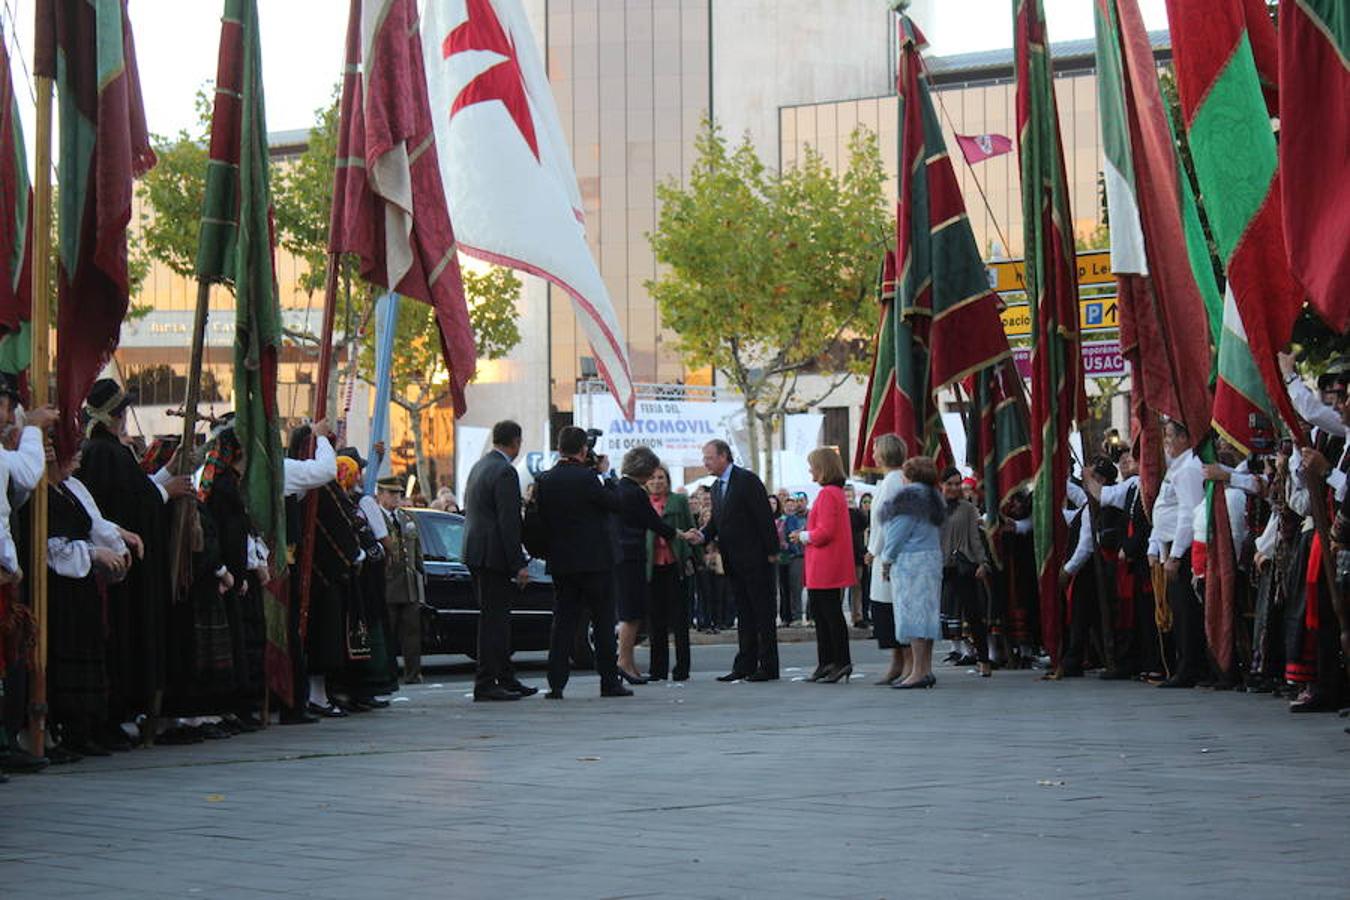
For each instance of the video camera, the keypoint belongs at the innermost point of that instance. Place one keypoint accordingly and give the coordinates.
(592, 459)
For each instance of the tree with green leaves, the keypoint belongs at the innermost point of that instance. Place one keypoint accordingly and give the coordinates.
(770, 276)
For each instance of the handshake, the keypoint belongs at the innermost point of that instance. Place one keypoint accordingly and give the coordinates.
(692, 536)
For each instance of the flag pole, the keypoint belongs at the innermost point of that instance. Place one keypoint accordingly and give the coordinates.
(320, 404)
(180, 560)
(39, 372)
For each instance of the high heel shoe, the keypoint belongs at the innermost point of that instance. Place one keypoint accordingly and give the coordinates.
(844, 672)
(630, 677)
(888, 679)
(926, 681)
(821, 672)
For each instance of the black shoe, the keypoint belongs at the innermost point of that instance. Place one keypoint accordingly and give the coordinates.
(844, 672)
(762, 675)
(297, 717)
(331, 711)
(821, 671)
(176, 737)
(630, 677)
(680, 676)
(91, 748)
(352, 705)
(20, 761)
(213, 732)
(615, 690)
(523, 690)
(652, 676)
(1116, 675)
(494, 694)
(377, 703)
(732, 676)
(553, 695)
(244, 724)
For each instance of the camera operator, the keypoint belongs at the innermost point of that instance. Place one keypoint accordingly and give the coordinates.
(576, 508)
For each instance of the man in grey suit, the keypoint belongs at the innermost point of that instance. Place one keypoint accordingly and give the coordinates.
(492, 551)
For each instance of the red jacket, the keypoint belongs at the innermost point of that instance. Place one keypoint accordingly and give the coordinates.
(829, 551)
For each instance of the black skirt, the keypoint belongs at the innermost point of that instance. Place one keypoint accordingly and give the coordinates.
(883, 625)
(631, 603)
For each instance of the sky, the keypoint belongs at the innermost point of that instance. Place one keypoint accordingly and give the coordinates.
(177, 42)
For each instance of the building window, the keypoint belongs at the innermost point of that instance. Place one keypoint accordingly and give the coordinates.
(161, 385)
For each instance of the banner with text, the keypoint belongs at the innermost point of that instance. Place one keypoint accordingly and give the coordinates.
(1101, 359)
(676, 430)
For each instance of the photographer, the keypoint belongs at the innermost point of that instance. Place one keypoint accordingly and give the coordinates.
(576, 507)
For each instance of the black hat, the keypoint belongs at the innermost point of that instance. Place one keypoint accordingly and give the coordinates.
(1105, 469)
(390, 483)
(107, 395)
(951, 472)
(9, 388)
(354, 455)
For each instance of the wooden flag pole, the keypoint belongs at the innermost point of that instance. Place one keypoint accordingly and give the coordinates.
(306, 561)
(180, 564)
(38, 374)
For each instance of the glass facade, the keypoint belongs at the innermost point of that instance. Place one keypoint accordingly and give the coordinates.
(631, 80)
(991, 188)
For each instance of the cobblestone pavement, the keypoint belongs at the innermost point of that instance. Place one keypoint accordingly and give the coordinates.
(1006, 787)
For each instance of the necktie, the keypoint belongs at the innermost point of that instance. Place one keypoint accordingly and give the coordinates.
(719, 490)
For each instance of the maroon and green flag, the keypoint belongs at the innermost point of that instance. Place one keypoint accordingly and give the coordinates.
(236, 248)
(1315, 141)
(16, 201)
(1167, 292)
(1057, 398)
(942, 286)
(86, 46)
(998, 439)
(899, 393)
(1224, 56)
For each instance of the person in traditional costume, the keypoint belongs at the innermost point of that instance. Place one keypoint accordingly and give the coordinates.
(137, 607)
(85, 553)
(337, 633)
(302, 474)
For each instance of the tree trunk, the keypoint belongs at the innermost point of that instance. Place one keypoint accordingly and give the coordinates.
(752, 430)
(769, 432)
(415, 417)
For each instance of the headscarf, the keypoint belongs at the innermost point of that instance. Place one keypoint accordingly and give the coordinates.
(348, 473)
(222, 456)
(102, 413)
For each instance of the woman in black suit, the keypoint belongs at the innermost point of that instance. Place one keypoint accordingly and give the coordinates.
(636, 519)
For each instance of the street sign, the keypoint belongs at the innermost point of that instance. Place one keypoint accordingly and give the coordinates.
(1101, 359)
(1094, 314)
(1094, 269)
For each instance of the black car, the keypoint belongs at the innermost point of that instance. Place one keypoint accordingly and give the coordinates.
(450, 616)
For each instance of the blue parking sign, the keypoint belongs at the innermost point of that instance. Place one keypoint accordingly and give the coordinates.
(1094, 313)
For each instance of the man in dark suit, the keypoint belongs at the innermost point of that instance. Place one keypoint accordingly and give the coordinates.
(493, 553)
(576, 506)
(743, 526)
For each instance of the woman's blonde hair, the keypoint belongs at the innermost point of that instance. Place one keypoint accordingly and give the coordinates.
(826, 461)
(890, 450)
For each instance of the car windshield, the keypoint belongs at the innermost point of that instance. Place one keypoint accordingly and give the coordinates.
(442, 536)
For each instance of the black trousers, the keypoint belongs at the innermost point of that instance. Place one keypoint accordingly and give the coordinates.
(1084, 618)
(668, 612)
(827, 608)
(593, 592)
(969, 600)
(494, 591)
(299, 662)
(756, 632)
(1188, 625)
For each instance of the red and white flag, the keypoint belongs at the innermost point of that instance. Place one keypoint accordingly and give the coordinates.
(509, 180)
(979, 147)
(388, 204)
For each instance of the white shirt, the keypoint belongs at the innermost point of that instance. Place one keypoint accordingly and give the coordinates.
(25, 465)
(876, 533)
(1164, 512)
(1237, 520)
(1189, 481)
(369, 508)
(304, 475)
(1087, 540)
(74, 558)
(1312, 410)
(1115, 495)
(9, 553)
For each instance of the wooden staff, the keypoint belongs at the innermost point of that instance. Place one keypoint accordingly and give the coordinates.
(306, 560)
(38, 375)
(185, 508)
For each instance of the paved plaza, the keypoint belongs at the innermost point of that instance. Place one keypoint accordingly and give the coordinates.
(1006, 787)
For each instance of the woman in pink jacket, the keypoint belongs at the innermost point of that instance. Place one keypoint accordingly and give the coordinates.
(828, 538)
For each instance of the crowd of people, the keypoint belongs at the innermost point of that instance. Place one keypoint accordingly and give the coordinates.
(170, 623)
(168, 620)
